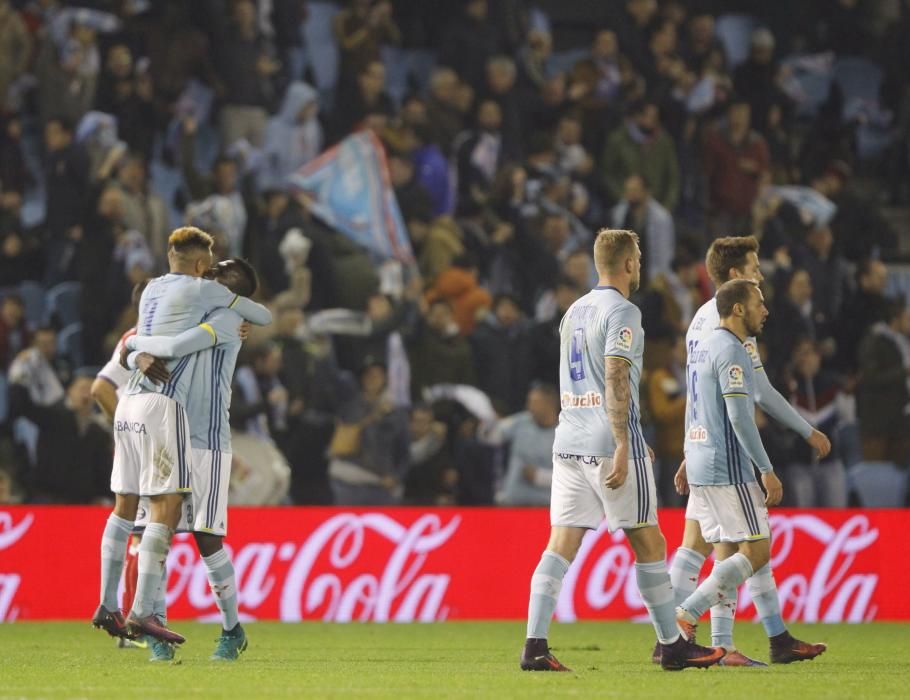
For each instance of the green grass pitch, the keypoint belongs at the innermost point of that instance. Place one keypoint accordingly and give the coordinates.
(449, 660)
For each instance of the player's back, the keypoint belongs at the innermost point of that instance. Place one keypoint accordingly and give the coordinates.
(170, 305)
(208, 404)
(601, 324)
(718, 366)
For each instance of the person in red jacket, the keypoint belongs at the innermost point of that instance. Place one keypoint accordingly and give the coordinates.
(736, 164)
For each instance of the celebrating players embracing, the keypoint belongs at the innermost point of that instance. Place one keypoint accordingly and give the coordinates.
(601, 464)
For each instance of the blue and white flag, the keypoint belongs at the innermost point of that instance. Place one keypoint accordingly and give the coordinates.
(352, 193)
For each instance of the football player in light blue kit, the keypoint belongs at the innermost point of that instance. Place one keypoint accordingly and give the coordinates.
(152, 450)
(722, 442)
(216, 342)
(736, 257)
(601, 464)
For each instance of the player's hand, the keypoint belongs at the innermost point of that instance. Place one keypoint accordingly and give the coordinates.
(681, 480)
(244, 330)
(773, 488)
(820, 443)
(124, 356)
(617, 477)
(528, 472)
(152, 367)
(650, 453)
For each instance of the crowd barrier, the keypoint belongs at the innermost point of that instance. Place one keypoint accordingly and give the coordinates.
(430, 564)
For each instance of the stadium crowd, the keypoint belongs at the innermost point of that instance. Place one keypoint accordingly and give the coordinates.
(513, 130)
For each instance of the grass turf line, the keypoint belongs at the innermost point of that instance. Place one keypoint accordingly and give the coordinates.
(452, 660)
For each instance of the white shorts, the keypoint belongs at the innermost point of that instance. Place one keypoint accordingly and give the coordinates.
(729, 513)
(579, 498)
(205, 509)
(151, 446)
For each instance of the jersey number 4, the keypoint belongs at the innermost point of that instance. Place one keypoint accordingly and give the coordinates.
(577, 356)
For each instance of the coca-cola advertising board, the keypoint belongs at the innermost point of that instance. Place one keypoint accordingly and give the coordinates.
(422, 564)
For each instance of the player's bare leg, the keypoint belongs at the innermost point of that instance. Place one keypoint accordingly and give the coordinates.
(114, 542)
(220, 572)
(677, 652)
(156, 541)
(545, 586)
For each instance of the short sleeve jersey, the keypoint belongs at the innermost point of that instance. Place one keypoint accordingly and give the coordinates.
(601, 324)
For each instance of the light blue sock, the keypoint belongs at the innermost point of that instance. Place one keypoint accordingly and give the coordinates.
(657, 593)
(545, 586)
(763, 590)
(684, 572)
(722, 616)
(727, 575)
(156, 541)
(221, 578)
(113, 551)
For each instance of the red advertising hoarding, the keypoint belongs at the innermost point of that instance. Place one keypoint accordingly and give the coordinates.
(423, 564)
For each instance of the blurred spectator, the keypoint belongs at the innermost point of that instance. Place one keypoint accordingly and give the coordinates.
(668, 305)
(444, 119)
(39, 370)
(293, 136)
(260, 400)
(701, 41)
(635, 26)
(247, 68)
(642, 147)
(14, 333)
(14, 175)
(369, 450)
(666, 387)
(478, 156)
(15, 49)
(828, 273)
(364, 104)
(816, 394)
(640, 212)
(127, 92)
(792, 318)
(865, 307)
(360, 30)
(736, 163)
(219, 193)
(883, 392)
(67, 194)
(529, 436)
(544, 340)
(439, 354)
(437, 242)
(143, 210)
(757, 80)
(501, 75)
(469, 42)
(67, 69)
(459, 288)
(431, 477)
(501, 357)
(74, 451)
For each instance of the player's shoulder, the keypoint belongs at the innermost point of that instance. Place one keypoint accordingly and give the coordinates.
(728, 347)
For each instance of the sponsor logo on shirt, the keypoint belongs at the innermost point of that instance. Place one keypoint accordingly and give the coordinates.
(591, 399)
(736, 377)
(698, 433)
(125, 426)
(624, 339)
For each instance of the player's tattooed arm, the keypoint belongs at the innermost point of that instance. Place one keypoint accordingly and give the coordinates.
(618, 395)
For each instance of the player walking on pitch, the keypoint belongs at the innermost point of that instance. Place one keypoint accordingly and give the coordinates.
(737, 258)
(601, 464)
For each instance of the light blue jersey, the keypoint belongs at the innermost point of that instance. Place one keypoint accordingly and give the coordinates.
(213, 346)
(208, 405)
(175, 303)
(721, 438)
(601, 324)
